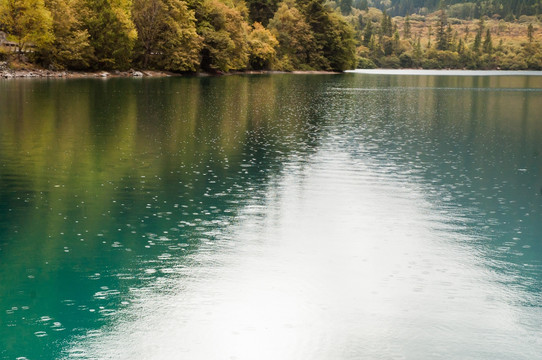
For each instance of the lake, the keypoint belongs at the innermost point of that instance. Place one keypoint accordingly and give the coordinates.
(349, 216)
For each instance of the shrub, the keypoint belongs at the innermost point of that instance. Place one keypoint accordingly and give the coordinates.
(390, 62)
(364, 63)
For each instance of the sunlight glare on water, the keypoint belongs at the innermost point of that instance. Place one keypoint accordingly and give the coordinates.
(344, 262)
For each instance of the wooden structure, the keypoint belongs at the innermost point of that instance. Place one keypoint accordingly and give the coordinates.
(10, 45)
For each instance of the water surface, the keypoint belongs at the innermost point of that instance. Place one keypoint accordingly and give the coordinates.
(271, 217)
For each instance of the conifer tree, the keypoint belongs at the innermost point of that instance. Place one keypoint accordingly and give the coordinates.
(488, 44)
(407, 29)
(530, 31)
(441, 35)
(346, 6)
(368, 33)
(478, 38)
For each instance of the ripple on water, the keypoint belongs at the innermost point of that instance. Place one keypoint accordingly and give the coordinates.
(77, 353)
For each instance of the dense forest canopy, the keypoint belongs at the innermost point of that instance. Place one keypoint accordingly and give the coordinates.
(228, 35)
(473, 9)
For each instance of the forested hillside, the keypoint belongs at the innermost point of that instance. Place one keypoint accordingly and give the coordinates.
(439, 40)
(466, 9)
(227, 35)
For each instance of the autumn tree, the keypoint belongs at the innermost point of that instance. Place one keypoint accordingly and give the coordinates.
(71, 46)
(262, 45)
(167, 36)
(112, 32)
(296, 40)
(29, 21)
(225, 35)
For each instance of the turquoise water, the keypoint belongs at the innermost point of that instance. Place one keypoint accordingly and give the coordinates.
(271, 217)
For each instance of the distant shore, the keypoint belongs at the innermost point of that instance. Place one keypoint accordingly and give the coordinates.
(445, 72)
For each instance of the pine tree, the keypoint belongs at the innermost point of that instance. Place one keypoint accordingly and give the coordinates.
(441, 36)
(478, 38)
(346, 7)
(386, 26)
(368, 33)
(530, 32)
(418, 52)
(450, 37)
(407, 29)
(488, 44)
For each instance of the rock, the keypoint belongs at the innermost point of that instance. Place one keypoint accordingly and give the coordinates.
(137, 73)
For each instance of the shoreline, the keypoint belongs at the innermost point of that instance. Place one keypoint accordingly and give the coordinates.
(445, 72)
(70, 74)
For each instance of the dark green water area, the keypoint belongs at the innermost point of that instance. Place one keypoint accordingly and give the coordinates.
(285, 216)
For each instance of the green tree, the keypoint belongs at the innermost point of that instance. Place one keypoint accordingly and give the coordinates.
(263, 46)
(478, 37)
(530, 32)
(340, 46)
(368, 33)
(167, 35)
(29, 21)
(488, 43)
(386, 26)
(71, 46)
(112, 32)
(297, 46)
(333, 34)
(225, 35)
(262, 10)
(441, 37)
(346, 6)
(407, 32)
(418, 52)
